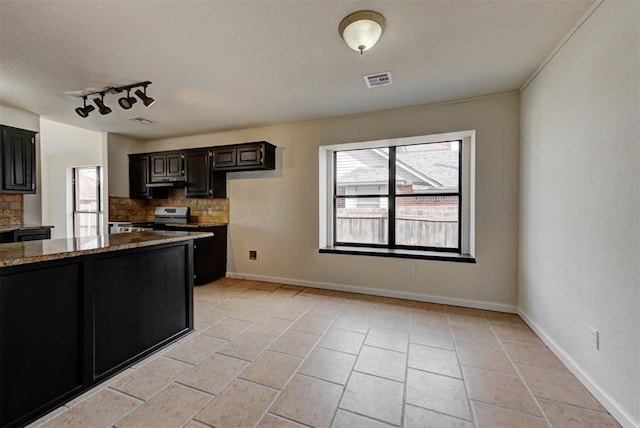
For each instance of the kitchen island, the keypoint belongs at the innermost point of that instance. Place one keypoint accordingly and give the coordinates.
(74, 312)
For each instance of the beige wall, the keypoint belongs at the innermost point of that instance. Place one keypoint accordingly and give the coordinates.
(580, 205)
(287, 240)
(118, 146)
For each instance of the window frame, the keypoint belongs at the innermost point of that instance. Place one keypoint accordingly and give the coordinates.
(98, 213)
(465, 249)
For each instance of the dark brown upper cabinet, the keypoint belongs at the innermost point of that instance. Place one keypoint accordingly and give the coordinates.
(200, 180)
(139, 177)
(259, 155)
(18, 163)
(167, 166)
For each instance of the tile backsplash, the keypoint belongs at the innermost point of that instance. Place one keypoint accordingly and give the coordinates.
(202, 210)
(11, 210)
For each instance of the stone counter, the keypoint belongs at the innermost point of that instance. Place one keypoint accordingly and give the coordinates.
(19, 253)
(20, 226)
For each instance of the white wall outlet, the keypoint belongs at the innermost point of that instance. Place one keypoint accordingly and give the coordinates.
(594, 338)
(267, 212)
(410, 271)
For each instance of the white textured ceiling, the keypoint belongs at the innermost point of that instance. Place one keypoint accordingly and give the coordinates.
(227, 64)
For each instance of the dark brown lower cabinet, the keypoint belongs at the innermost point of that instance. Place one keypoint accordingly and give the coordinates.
(69, 324)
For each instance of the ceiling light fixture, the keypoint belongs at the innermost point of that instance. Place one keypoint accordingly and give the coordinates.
(362, 29)
(86, 109)
(126, 102)
(103, 109)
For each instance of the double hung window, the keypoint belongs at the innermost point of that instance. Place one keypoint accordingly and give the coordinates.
(87, 206)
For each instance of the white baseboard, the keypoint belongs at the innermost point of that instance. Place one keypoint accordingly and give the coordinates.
(621, 415)
(476, 304)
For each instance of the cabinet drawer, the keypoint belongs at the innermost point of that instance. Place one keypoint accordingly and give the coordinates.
(249, 155)
(224, 158)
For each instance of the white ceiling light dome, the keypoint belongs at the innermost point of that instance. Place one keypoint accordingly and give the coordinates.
(361, 30)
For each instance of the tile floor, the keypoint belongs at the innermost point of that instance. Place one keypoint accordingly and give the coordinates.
(272, 355)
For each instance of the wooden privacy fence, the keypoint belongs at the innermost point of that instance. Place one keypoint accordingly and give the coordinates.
(410, 230)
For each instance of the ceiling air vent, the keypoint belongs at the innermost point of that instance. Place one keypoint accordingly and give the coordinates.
(378, 79)
(141, 120)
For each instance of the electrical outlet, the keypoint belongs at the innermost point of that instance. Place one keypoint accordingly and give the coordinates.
(267, 212)
(594, 338)
(410, 271)
(253, 255)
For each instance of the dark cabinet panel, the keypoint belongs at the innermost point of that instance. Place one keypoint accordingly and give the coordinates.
(139, 177)
(200, 180)
(41, 341)
(31, 234)
(18, 160)
(245, 157)
(166, 166)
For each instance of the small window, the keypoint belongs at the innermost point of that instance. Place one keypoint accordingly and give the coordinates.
(87, 206)
(404, 194)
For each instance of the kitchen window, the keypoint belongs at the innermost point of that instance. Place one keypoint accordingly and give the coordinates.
(87, 204)
(407, 197)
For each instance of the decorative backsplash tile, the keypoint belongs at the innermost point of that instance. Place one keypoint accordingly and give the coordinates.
(202, 210)
(11, 210)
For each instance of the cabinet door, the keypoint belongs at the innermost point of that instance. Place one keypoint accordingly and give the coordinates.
(174, 165)
(249, 156)
(224, 158)
(158, 167)
(198, 173)
(18, 161)
(139, 177)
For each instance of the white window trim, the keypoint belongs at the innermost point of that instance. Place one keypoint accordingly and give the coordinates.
(468, 184)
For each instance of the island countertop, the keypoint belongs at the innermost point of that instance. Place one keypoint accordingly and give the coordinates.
(19, 253)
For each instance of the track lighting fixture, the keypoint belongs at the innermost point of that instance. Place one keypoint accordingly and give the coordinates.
(126, 102)
(103, 109)
(86, 109)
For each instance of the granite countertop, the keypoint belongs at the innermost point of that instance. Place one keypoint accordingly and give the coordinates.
(18, 253)
(20, 226)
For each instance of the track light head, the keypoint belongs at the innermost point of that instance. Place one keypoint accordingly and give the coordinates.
(147, 101)
(128, 101)
(103, 109)
(86, 109)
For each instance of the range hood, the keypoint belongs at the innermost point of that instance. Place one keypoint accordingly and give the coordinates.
(180, 183)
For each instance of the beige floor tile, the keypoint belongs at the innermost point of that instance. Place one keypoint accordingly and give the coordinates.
(429, 336)
(100, 410)
(250, 313)
(268, 326)
(374, 397)
(342, 340)
(567, 416)
(295, 343)
(312, 324)
(214, 373)
(416, 417)
(382, 362)
(271, 421)
(269, 286)
(328, 365)
(233, 303)
(242, 404)
(533, 355)
(434, 360)
(497, 417)
(516, 333)
(309, 401)
(387, 339)
(500, 390)
(41, 421)
(465, 311)
(151, 378)
(344, 419)
(484, 357)
(194, 424)
(272, 369)
(427, 318)
(479, 335)
(470, 320)
(227, 329)
(211, 314)
(391, 322)
(504, 318)
(270, 301)
(436, 392)
(172, 406)
(327, 310)
(195, 349)
(355, 323)
(289, 311)
(246, 346)
(428, 306)
(359, 308)
(558, 386)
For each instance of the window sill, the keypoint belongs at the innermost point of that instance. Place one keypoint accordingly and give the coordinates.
(402, 254)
